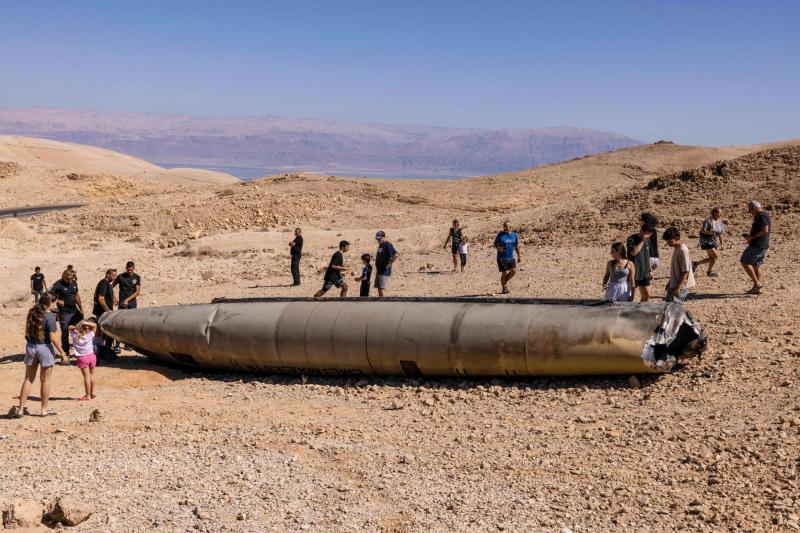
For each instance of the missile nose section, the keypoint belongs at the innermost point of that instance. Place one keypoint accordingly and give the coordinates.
(415, 336)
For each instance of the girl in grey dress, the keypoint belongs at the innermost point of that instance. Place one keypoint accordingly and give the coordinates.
(618, 282)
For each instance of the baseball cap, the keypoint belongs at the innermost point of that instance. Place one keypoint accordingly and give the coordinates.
(380, 235)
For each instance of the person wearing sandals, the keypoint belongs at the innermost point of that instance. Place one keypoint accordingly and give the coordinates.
(41, 340)
(619, 280)
(83, 343)
(757, 245)
(711, 241)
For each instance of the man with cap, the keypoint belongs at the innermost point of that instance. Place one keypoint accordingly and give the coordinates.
(757, 245)
(384, 259)
(333, 274)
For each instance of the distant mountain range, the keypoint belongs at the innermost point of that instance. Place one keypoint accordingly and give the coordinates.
(264, 145)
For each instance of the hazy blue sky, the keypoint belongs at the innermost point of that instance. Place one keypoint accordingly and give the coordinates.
(702, 72)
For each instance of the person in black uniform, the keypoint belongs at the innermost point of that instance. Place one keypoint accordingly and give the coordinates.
(333, 274)
(104, 303)
(296, 251)
(130, 286)
(70, 307)
(38, 284)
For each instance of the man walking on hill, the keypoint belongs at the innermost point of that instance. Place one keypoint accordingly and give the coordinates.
(507, 242)
(384, 259)
(333, 274)
(296, 251)
(757, 245)
(38, 284)
(681, 274)
(456, 236)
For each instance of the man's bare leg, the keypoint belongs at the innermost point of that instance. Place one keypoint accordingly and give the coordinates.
(644, 292)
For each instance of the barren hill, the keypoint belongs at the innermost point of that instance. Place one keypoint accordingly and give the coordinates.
(41, 171)
(332, 147)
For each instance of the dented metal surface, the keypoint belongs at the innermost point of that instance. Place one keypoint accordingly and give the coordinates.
(415, 336)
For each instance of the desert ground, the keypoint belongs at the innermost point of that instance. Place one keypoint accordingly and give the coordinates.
(713, 446)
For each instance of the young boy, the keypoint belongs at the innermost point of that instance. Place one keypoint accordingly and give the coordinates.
(333, 274)
(681, 277)
(366, 275)
(38, 284)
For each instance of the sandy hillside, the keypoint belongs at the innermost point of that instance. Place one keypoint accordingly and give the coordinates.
(54, 172)
(714, 446)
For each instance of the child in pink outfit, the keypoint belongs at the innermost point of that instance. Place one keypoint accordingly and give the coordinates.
(83, 343)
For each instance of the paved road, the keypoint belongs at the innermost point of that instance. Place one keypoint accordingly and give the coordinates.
(28, 211)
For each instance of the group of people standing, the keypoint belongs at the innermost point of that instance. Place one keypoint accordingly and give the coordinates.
(632, 264)
(61, 308)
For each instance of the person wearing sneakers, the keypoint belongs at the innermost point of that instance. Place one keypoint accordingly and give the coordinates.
(711, 241)
(333, 274)
(83, 342)
(384, 259)
(38, 284)
(757, 245)
(681, 277)
(41, 339)
(507, 242)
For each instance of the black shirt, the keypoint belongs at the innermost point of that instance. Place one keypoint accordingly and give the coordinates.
(333, 274)
(38, 282)
(68, 293)
(297, 247)
(103, 290)
(127, 285)
(642, 259)
(760, 221)
(383, 259)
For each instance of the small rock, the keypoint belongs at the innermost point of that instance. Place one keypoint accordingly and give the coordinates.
(362, 383)
(95, 416)
(23, 513)
(68, 512)
(634, 382)
(429, 402)
(406, 459)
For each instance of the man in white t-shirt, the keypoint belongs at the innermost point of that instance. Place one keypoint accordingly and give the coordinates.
(681, 277)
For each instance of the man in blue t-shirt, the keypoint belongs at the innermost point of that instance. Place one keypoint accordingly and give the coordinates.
(384, 259)
(507, 243)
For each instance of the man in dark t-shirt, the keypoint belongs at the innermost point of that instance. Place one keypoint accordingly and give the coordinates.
(130, 286)
(638, 248)
(384, 259)
(333, 274)
(70, 307)
(104, 294)
(757, 245)
(296, 251)
(38, 284)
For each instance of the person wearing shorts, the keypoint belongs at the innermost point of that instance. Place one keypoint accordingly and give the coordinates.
(638, 251)
(40, 341)
(681, 275)
(711, 241)
(507, 242)
(83, 342)
(333, 274)
(456, 236)
(649, 219)
(38, 284)
(755, 254)
(384, 259)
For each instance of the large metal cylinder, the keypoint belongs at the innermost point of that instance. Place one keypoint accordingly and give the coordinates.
(414, 337)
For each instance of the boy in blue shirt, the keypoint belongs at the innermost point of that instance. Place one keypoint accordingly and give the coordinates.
(366, 275)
